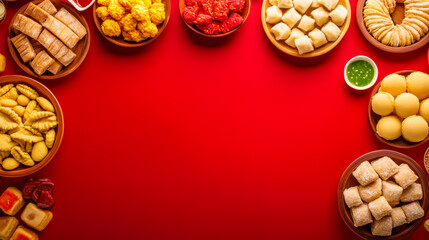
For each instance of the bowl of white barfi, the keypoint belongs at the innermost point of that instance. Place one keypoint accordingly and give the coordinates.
(383, 195)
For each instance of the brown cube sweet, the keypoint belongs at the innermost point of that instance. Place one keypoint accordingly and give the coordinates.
(412, 193)
(11, 201)
(371, 191)
(380, 208)
(35, 217)
(392, 192)
(23, 233)
(385, 167)
(7, 226)
(413, 211)
(365, 173)
(382, 227)
(361, 215)
(351, 197)
(405, 176)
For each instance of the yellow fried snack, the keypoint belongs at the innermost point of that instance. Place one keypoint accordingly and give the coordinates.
(45, 104)
(157, 13)
(6, 143)
(102, 13)
(39, 151)
(29, 109)
(10, 163)
(128, 23)
(42, 121)
(6, 102)
(140, 12)
(27, 136)
(12, 94)
(103, 2)
(2, 63)
(21, 156)
(23, 100)
(27, 91)
(111, 28)
(5, 89)
(28, 147)
(50, 138)
(128, 4)
(19, 110)
(9, 119)
(116, 11)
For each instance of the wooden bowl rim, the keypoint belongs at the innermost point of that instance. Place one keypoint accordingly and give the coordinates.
(294, 52)
(65, 71)
(359, 19)
(412, 227)
(245, 15)
(119, 41)
(41, 89)
(373, 124)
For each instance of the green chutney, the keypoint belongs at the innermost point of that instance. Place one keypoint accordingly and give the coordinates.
(360, 73)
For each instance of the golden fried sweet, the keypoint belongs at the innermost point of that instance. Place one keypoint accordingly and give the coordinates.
(9, 119)
(414, 128)
(389, 127)
(50, 138)
(141, 13)
(406, 104)
(45, 104)
(116, 11)
(6, 143)
(42, 121)
(5, 89)
(111, 28)
(21, 156)
(29, 109)
(11, 94)
(424, 109)
(103, 2)
(102, 13)
(128, 4)
(148, 29)
(27, 136)
(394, 84)
(418, 84)
(128, 23)
(27, 91)
(157, 13)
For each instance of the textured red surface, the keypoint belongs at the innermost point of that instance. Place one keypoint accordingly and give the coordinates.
(223, 139)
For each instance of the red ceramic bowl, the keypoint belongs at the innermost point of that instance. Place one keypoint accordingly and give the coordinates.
(347, 180)
(44, 92)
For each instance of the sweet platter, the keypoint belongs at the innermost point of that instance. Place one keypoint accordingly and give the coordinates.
(139, 33)
(400, 166)
(327, 38)
(53, 60)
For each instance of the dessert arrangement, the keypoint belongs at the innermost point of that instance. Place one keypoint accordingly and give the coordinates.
(306, 25)
(28, 125)
(46, 38)
(131, 20)
(13, 200)
(379, 23)
(214, 17)
(402, 106)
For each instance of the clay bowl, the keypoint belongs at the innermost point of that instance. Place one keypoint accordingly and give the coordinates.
(81, 48)
(397, 17)
(348, 180)
(44, 92)
(282, 46)
(245, 14)
(119, 41)
(373, 119)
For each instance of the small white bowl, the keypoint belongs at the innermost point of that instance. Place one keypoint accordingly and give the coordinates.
(364, 58)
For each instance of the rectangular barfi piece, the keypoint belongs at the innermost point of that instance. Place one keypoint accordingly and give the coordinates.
(48, 7)
(351, 197)
(23, 46)
(385, 167)
(36, 13)
(23, 233)
(7, 226)
(35, 217)
(54, 46)
(72, 22)
(412, 193)
(61, 31)
(41, 62)
(405, 176)
(36, 46)
(392, 192)
(371, 191)
(361, 215)
(27, 26)
(365, 173)
(55, 68)
(413, 211)
(382, 227)
(11, 200)
(380, 208)
(398, 217)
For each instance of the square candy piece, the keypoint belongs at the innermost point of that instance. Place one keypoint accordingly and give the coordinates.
(392, 192)
(351, 197)
(35, 217)
(11, 201)
(382, 227)
(371, 191)
(398, 217)
(385, 167)
(365, 173)
(7, 226)
(380, 208)
(23, 233)
(413, 211)
(361, 215)
(412, 193)
(405, 176)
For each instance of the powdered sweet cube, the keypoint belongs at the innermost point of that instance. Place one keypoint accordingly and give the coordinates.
(382, 227)
(380, 208)
(412, 193)
(371, 191)
(35, 217)
(392, 192)
(11, 201)
(361, 215)
(302, 5)
(398, 217)
(413, 211)
(329, 4)
(7, 226)
(321, 16)
(385, 167)
(291, 17)
(352, 198)
(365, 173)
(23, 233)
(405, 176)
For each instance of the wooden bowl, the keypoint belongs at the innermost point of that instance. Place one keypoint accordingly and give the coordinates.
(347, 180)
(81, 48)
(119, 41)
(373, 119)
(282, 46)
(245, 14)
(44, 92)
(397, 16)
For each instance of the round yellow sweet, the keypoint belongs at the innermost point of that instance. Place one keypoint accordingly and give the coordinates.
(389, 127)
(406, 104)
(424, 109)
(415, 128)
(418, 84)
(9, 164)
(394, 84)
(383, 103)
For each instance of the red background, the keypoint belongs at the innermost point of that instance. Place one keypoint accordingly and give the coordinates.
(193, 139)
